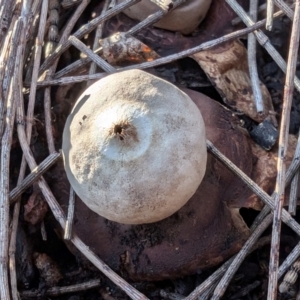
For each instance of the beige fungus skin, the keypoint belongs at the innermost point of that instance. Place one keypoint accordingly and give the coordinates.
(185, 18)
(134, 148)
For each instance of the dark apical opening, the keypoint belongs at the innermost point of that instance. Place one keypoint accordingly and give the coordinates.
(118, 129)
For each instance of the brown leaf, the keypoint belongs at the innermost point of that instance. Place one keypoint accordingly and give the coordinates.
(119, 49)
(226, 66)
(265, 171)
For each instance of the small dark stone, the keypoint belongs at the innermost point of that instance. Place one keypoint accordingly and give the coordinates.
(265, 134)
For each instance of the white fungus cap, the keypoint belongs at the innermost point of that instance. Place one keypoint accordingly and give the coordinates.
(134, 148)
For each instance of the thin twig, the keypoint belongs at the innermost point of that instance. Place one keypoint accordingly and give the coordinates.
(135, 29)
(293, 195)
(212, 280)
(70, 217)
(293, 168)
(208, 286)
(6, 9)
(287, 10)
(47, 94)
(291, 258)
(85, 30)
(262, 39)
(286, 217)
(34, 176)
(238, 20)
(204, 46)
(95, 58)
(4, 188)
(270, 11)
(70, 80)
(15, 218)
(37, 60)
(14, 90)
(17, 83)
(76, 65)
(98, 36)
(60, 290)
(282, 150)
(3, 58)
(255, 83)
(97, 50)
(53, 9)
(223, 284)
(207, 294)
(52, 27)
(295, 164)
(33, 26)
(7, 72)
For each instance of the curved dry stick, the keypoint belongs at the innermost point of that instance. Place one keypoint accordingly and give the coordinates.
(13, 94)
(270, 11)
(7, 66)
(255, 83)
(283, 6)
(33, 176)
(6, 7)
(60, 290)
(70, 216)
(98, 36)
(30, 112)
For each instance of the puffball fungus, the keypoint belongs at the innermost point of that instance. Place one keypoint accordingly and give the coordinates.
(184, 18)
(134, 148)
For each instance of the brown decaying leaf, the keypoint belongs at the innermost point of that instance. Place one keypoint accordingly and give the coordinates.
(35, 209)
(119, 49)
(226, 66)
(265, 171)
